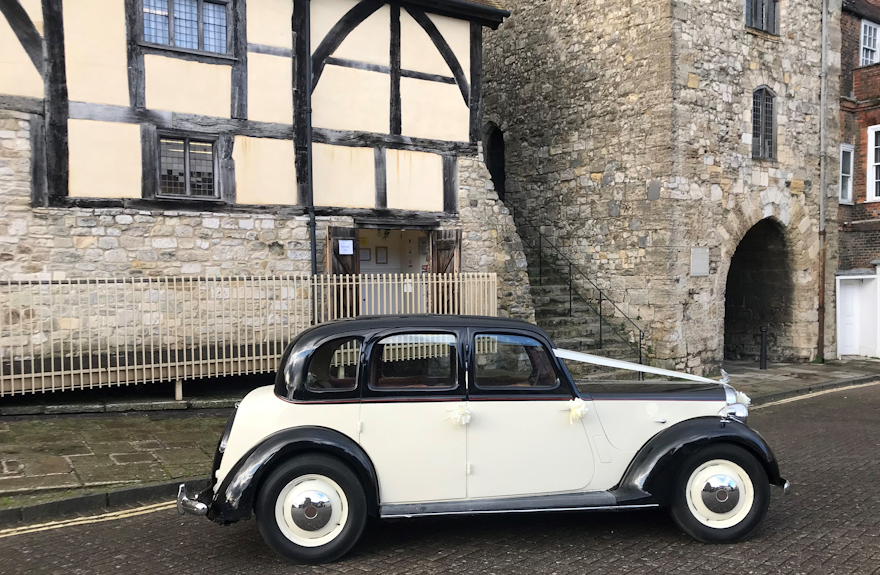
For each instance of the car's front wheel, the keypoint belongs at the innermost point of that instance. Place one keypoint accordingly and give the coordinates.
(311, 509)
(721, 494)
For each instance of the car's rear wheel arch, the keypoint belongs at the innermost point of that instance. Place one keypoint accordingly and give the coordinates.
(365, 476)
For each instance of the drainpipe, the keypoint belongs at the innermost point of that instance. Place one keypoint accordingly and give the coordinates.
(820, 343)
(308, 111)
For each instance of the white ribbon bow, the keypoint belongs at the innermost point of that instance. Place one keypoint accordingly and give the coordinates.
(743, 398)
(577, 409)
(459, 415)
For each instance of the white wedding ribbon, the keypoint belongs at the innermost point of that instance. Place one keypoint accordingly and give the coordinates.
(577, 409)
(459, 415)
(743, 398)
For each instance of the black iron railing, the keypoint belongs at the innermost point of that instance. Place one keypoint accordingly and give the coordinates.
(553, 262)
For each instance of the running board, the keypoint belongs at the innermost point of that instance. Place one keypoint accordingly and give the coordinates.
(590, 501)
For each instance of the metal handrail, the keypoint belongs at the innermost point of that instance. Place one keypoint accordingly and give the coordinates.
(542, 239)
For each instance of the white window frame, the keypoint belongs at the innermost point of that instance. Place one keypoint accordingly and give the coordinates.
(845, 192)
(872, 192)
(874, 30)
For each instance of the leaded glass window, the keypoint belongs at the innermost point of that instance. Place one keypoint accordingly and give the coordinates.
(763, 124)
(190, 24)
(186, 168)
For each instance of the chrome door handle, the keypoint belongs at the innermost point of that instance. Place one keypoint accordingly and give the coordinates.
(659, 421)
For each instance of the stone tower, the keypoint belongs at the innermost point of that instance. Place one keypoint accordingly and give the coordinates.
(643, 135)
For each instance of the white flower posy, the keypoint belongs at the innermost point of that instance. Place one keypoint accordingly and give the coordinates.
(459, 415)
(577, 409)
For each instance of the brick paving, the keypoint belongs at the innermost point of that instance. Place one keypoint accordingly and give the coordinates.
(55, 457)
(831, 524)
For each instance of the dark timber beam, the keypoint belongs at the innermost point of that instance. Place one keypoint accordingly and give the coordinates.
(136, 75)
(57, 159)
(443, 47)
(450, 184)
(300, 125)
(22, 104)
(397, 142)
(39, 190)
(396, 113)
(476, 82)
(381, 179)
(239, 96)
(25, 31)
(338, 33)
(379, 216)
(179, 121)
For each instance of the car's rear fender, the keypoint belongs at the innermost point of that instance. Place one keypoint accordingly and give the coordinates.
(651, 475)
(234, 499)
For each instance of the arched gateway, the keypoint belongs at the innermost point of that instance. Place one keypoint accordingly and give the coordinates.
(760, 293)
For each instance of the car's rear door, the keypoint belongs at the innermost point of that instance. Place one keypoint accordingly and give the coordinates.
(523, 438)
(410, 415)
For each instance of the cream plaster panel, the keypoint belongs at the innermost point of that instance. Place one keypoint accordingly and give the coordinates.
(18, 75)
(270, 98)
(264, 171)
(191, 87)
(369, 42)
(105, 159)
(95, 51)
(34, 9)
(344, 176)
(433, 110)
(415, 180)
(417, 51)
(268, 22)
(349, 99)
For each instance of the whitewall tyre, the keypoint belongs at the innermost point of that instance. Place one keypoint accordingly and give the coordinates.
(311, 509)
(721, 494)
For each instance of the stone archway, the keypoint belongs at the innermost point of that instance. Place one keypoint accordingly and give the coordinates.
(760, 293)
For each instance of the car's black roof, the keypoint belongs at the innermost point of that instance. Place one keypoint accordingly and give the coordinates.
(382, 322)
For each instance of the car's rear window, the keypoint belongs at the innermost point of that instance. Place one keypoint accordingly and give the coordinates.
(333, 366)
(414, 361)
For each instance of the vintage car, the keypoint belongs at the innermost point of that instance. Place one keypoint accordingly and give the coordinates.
(405, 416)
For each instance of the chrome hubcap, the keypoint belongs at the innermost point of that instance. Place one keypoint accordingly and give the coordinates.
(720, 494)
(311, 510)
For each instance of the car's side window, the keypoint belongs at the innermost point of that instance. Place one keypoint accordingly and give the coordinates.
(512, 362)
(333, 366)
(414, 361)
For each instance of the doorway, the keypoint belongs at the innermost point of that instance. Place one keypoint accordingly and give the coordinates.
(759, 293)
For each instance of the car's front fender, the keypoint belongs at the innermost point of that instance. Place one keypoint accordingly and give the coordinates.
(234, 499)
(652, 473)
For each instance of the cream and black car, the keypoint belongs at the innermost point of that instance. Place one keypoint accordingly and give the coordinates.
(412, 416)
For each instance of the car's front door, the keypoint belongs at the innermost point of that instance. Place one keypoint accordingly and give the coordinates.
(523, 437)
(411, 416)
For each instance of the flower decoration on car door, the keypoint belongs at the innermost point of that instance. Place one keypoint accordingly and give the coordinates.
(577, 409)
(459, 415)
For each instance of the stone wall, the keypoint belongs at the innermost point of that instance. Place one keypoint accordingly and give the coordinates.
(65, 243)
(628, 131)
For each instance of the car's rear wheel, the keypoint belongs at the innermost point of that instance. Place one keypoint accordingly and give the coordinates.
(312, 509)
(721, 494)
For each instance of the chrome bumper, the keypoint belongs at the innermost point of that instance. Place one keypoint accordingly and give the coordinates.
(186, 505)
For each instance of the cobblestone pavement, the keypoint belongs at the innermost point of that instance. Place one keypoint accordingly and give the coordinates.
(827, 444)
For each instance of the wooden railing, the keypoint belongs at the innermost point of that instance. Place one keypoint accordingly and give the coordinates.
(89, 333)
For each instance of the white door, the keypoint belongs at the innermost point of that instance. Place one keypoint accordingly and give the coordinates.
(522, 437)
(408, 423)
(849, 317)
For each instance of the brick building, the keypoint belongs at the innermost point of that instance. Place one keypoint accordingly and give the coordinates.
(859, 186)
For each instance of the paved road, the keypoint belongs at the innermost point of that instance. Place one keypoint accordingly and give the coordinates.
(829, 446)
